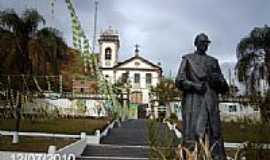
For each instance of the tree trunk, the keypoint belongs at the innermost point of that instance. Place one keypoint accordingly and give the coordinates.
(18, 112)
(264, 106)
(169, 111)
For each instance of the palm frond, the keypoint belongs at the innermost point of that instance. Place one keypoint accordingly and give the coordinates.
(31, 19)
(9, 20)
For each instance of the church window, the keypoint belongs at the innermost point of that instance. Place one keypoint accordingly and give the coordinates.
(124, 77)
(108, 53)
(136, 78)
(148, 78)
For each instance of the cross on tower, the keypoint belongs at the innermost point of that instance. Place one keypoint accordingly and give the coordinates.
(137, 49)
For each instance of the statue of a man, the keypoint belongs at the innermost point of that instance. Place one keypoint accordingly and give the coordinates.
(201, 80)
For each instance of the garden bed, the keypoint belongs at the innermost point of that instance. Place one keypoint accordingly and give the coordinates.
(29, 144)
(61, 126)
(238, 132)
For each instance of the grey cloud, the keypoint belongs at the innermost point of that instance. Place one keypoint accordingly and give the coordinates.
(164, 29)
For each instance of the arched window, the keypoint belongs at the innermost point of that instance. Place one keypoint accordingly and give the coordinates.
(108, 53)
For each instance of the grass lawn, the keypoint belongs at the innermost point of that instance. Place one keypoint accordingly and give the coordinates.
(241, 132)
(28, 144)
(64, 126)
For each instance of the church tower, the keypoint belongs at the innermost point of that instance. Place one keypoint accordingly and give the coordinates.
(109, 45)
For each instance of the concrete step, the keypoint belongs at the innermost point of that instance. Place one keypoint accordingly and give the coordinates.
(115, 152)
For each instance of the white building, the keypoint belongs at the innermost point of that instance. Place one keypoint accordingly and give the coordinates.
(228, 111)
(139, 72)
(235, 111)
(66, 107)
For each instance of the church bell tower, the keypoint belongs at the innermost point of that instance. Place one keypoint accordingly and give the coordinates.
(109, 45)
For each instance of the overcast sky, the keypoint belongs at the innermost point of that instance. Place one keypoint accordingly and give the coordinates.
(165, 29)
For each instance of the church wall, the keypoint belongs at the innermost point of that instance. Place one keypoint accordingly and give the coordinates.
(143, 87)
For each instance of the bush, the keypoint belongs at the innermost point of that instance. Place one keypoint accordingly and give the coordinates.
(173, 118)
(255, 151)
(161, 141)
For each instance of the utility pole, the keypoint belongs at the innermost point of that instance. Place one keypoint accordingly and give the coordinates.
(95, 27)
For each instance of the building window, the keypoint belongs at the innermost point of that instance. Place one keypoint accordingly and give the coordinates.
(232, 108)
(124, 77)
(82, 90)
(148, 78)
(108, 53)
(136, 78)
(137, 63)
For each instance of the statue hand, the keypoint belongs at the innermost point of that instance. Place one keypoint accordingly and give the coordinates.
(201, 88)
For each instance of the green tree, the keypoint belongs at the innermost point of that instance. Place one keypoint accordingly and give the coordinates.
(253, 53)
(26, 49)
(253, 66)
(165, 91)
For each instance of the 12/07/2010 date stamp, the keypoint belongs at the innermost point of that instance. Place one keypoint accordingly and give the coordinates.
(40, 156)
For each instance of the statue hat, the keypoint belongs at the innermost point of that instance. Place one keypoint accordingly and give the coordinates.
(202, 37)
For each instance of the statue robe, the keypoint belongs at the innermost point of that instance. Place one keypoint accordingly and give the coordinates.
(200, 110)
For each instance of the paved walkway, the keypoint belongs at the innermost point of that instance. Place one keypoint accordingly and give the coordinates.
(126, 142)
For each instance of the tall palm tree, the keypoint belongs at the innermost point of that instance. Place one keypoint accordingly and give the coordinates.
(25, 48)
(253, 64)
(253, 68)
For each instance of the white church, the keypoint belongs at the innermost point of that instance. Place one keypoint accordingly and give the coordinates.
(139, 72)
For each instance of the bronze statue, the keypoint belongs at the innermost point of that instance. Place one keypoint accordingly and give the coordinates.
(201, 80)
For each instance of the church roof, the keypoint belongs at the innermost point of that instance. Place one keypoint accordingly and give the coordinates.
(138, 57)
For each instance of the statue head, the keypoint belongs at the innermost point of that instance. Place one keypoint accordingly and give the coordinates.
(201, 42)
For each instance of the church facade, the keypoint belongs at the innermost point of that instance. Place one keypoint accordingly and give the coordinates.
(136, 71)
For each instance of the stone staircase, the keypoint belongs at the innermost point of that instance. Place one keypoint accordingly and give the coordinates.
(126, 142)
(131, 132)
